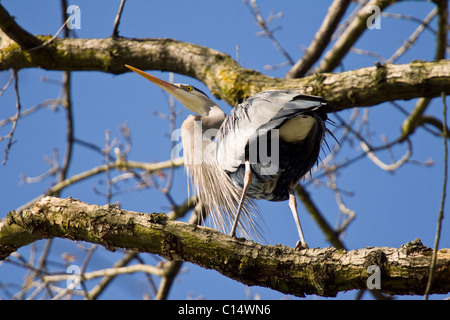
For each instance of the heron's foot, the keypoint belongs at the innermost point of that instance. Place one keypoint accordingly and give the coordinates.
(301, 245)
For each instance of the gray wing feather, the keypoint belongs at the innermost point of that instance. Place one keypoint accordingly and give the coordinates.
(266, 110)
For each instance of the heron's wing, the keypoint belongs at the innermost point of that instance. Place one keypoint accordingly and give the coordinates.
(266, 110)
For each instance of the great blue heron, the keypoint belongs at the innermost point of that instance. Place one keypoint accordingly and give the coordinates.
(261, 150)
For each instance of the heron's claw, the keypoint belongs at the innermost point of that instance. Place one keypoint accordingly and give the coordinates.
(301, 246)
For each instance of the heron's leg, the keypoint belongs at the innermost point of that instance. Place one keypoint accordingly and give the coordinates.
(247, 181)
(293, 206)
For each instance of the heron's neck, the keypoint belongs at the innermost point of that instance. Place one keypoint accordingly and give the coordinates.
(214, 118)
(197, 135)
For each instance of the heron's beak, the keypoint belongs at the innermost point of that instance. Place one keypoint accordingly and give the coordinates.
(190, 101)
(166, 86)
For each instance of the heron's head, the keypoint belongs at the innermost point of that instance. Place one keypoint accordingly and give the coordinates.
(191, 97)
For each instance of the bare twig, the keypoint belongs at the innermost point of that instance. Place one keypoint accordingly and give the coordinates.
(107, 151)
(264, 25)
(321, 39)
(331, 235)
(49, 102)
(375, 55)
(10, 135)
(67, 104)
(99, 288)
(117, 20)
(414, 36)
(63, 27)
(90, 253)
(7, 84)
(351, 34)
(407, 17)
(109, 272)
(53, 163)
(148, 167)
(387, 167)
(441, 210)
(174, 267)
(341, 227)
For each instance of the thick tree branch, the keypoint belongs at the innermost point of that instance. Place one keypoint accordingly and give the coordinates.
(230, 82)
(314, 271)
(224, 77)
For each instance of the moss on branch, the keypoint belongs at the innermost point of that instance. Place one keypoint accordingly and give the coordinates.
(324, 271)
(224, 77)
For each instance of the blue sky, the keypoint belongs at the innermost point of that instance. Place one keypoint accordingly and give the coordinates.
(391, 209)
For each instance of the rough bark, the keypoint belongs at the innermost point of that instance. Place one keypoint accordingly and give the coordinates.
(324, 271)
(223, 76)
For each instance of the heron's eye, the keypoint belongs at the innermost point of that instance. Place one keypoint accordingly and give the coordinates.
(189, 88)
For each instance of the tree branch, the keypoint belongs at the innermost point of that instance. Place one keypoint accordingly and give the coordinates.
(223, 76)
(230, 82)
(19, 35)
(321, 39)
(314, 271)
(119, 164)
(351, 34)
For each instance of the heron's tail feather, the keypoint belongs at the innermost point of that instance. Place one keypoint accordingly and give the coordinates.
(214, 188)
(221, 200)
